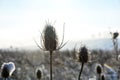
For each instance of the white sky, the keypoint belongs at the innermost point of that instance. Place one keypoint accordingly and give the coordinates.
(21, 20)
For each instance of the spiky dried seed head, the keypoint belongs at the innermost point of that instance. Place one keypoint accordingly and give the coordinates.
(83, 55)
(102, 77)
(115, 35)
(99, 69)
(39, 73)
(50, 39)
(7, 69)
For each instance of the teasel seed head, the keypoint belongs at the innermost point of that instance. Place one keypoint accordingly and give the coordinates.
(115, 35)
(39, 73)
(7, 69)
(102, 77)
(83, 55)
(98, 69)
(49, 38)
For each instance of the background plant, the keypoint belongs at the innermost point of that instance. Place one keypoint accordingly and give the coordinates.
(115, 42)
(99, 71)
(102, 77)
(83, 58)
(39, 73)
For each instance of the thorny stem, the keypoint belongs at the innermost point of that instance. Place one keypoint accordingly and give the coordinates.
(81, 71)
(51, 65)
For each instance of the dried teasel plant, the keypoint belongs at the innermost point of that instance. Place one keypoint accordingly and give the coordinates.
(39, 73)
(83, 58)
(50, 42)
(115, 35)
(115, 42)
(102, 76)
(99, 70)
(7, 70)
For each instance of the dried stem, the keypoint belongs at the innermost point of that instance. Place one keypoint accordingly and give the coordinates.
(99, 77)
(115, 43)
(81, 71)
(51, 65)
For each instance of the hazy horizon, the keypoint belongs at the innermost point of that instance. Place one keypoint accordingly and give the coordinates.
(93, 44)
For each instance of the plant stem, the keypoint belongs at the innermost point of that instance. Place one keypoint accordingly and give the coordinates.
(115, 43)
(99, 77)
(81, 71)
(51, 65)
